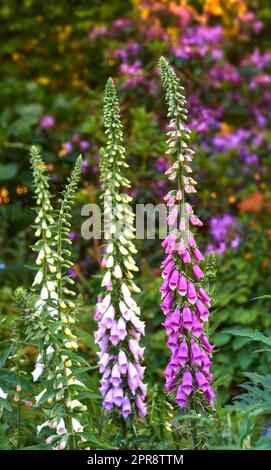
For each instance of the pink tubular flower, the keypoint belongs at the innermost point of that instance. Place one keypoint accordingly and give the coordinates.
(202, 381)
(197, 272)
(181, 399)
(141, 406)
(174, 279)
(187, 383)
(191, 293)
(187, 318)
(184, 301)
(167, 302)
(187, 257)
(204, 297)
(183, 353)
(197, 255)
(182, 287)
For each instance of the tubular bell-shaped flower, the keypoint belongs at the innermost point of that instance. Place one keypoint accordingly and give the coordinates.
(185, 302)
(120, 327)
(52, 326)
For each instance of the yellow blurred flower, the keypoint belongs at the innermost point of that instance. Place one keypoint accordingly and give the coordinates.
(4, 192)
(62, 152)
(16, 56)
(42, 80)
(225, 128)
(231, 199)
(220, 7)
(20, 190)
(4, 195)
(173, 32)
(213, 7)
(64, 32)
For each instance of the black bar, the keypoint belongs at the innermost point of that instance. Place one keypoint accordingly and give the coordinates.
(116, 459)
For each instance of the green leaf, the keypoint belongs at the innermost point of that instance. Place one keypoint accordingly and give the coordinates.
(8, 171)
(247, 333)
(5, 404)
(5, 356)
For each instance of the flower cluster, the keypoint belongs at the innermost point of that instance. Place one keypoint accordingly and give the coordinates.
(52, 312)
(225, 232)
(185, 302)
(120, 327)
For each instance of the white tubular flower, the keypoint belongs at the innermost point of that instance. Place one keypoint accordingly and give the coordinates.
(41, 426)
(110, 248)
(110, 262)
(61, 427)
(123, 250)
(38, 278)
(52, 268)
(106, 279)
(53, 311)
(130, 266)
(123, 240)
(130, 302)
(37, 372)
(76, 404)
(113, 229)
(44, 294)
(76, 425)
(49, 350)
(125, 290)
(40, 395)
(3, 394)
(51, 286)
(135, 288)
(117, 272)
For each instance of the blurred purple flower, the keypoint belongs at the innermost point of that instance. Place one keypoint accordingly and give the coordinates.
(85, 166)
(260, 80)
(121, 22)
(68, 146)
(225, 233)
(224, 72)
(75, 137)
(72, 235)
(257, 58)
(98, 31)
(84, 145)
(131, 69)
(73, 273)
(47, 121)
(162, 163)
(54, 177)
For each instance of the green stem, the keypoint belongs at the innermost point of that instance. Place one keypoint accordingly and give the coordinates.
(194, 431)
(124, 432)
(18, 425)
(194, 435)
(72, 440)
(59, 250)
(19, 403)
